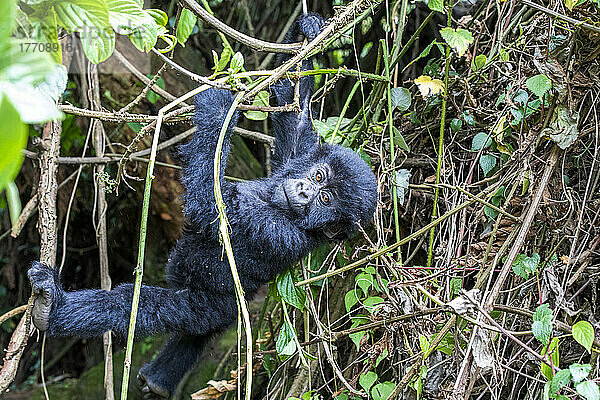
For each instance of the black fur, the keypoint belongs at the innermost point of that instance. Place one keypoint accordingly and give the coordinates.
(274, 222)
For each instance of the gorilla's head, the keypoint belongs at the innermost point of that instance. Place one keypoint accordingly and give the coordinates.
(329, 189)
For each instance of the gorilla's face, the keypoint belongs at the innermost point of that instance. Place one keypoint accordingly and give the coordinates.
(327, 190)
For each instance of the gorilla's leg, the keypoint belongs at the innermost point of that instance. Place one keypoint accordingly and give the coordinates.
(159, 378)
(90, 313)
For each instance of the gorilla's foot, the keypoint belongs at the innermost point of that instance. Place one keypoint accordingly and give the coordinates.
(43, 286)
(151, 390)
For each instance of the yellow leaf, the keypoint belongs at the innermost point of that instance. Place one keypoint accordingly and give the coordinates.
(429, 86)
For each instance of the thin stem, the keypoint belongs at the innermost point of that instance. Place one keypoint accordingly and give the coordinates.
(223, 229)
(440, 159)
(344, 109)
(139, 269)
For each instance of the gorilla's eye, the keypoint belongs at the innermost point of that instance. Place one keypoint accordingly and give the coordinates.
(325, 197)
(319, 176)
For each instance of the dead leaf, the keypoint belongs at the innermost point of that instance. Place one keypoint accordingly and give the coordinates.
(214, 390)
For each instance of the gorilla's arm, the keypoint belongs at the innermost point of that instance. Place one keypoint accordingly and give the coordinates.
(293, 131)
(198, 154)
(90, 313)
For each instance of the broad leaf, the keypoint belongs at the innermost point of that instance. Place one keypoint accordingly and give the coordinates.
(524, 266)
(479, 62)
(588, 390)
(458, 39)
(481, 141)
(8, 16)
(13, 137)
(350, 299)
(81, 15)
(383, 390)
(539, 85)
(357, 337)
(583, 333)
(542, 323)
(261, 100)
(98, 44)
(286, 343)
(401, 98)
(187, 21)
(579, 371)
(436, 5)
(288, 290)
(367, 380)
(237, 62)
(487, 162)
(428, 86)
(560, 380)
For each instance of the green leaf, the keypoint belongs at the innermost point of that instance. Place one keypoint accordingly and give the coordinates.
(553, 350)
(160, 17)
(579, 371)
(455, 285)
(356, 338)
(288, 290)
(261, 100)
(456, 124)
(224, 59)
(458, 39)
(371, 301)
(152, 96)
(478, 62)
(286, 344)
(542, 323)
(539, 85)
(496, 200)
(383, 390)
(144, 37)
(13, 138)
(82, 15)
(98, 44)
(560, 380)
(436, 5)
(14, 202)
(187, 21)
(8, 16)
(588, 390)
(350, 299)
(524, 266)
(364, 281)
(399, 140)
(367, 380)
(237, 62)
(583, 333)
(424, 344)
(401, 98)
(481, 141)
(487, 162)
(468, 118)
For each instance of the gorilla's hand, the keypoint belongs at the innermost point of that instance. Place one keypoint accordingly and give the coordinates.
(45, 287)
(310, 24)
(150, 389)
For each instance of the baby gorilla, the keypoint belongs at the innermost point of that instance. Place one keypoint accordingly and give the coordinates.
(316, 193)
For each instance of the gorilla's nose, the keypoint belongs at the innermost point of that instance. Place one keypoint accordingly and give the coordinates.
(305, 191)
